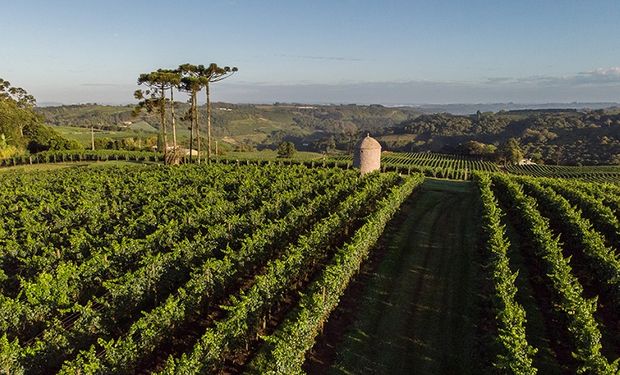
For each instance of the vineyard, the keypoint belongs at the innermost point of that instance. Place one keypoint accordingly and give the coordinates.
(460, 167)
(238, 267)
(432, 164)
(178, 270)
(563, 244)
(81, 155)
(456, 167)
(349, 187)
(606, 173)
(443, 161)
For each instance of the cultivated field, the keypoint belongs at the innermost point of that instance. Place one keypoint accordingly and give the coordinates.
(115, 268)
(459, 167)
(588, 173)
(455, 167)
(442, 296)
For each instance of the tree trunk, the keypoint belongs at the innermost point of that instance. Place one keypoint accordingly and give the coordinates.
(208, 122)
(197, 127)
(174, 125)
(191, 128)
(164, 131)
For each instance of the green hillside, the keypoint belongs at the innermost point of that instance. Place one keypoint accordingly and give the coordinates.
(548, 136)
(254, 126)
(83, 135)
(143, 126)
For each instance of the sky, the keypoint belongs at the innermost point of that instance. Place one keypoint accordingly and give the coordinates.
(319, 51)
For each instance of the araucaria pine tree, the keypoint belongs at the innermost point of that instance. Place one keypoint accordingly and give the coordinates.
(213, 73)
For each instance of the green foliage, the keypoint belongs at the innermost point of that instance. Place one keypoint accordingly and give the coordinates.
(457, 167)
(606, 173)
(517, 356)
(592, 204)
(551, 137)
(9, 356)
(479, 148)
(43, 138)
(140, 272)
(7, 150)
(90, 115)
(510, 152)
(3, 141)
(247, 313)
(601, 259)
(286, 150)
(248, 125)
(22, 128)
(567, 290)
(102, 268)
(129, 143)
(285, 349)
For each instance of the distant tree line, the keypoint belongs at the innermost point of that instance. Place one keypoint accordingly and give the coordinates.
(545, 136)
(554, 137)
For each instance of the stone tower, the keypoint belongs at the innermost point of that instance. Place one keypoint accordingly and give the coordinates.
(367, 155)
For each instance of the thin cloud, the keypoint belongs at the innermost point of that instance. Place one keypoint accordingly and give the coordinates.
(328, 58)
(600, 76)
(102, 84)
(613, 71)
(597, 85)
(498, 80)
(540, 89)
(609, 75)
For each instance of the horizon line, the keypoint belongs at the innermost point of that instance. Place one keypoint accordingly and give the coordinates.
(413, 105)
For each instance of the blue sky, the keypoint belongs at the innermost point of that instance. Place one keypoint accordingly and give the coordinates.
(341, 51)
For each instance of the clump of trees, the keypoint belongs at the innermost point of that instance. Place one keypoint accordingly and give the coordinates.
(128, 143)
(549, 136)
(508, 152)
(187, 78)
(22, 130)
(286, 150)
(479, 149)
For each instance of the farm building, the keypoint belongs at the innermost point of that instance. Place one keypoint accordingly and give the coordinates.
(367, 155)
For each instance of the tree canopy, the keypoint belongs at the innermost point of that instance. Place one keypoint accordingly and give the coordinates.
(286, 150)
(21, 128)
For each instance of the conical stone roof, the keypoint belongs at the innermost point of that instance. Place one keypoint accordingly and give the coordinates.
(369, 143)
